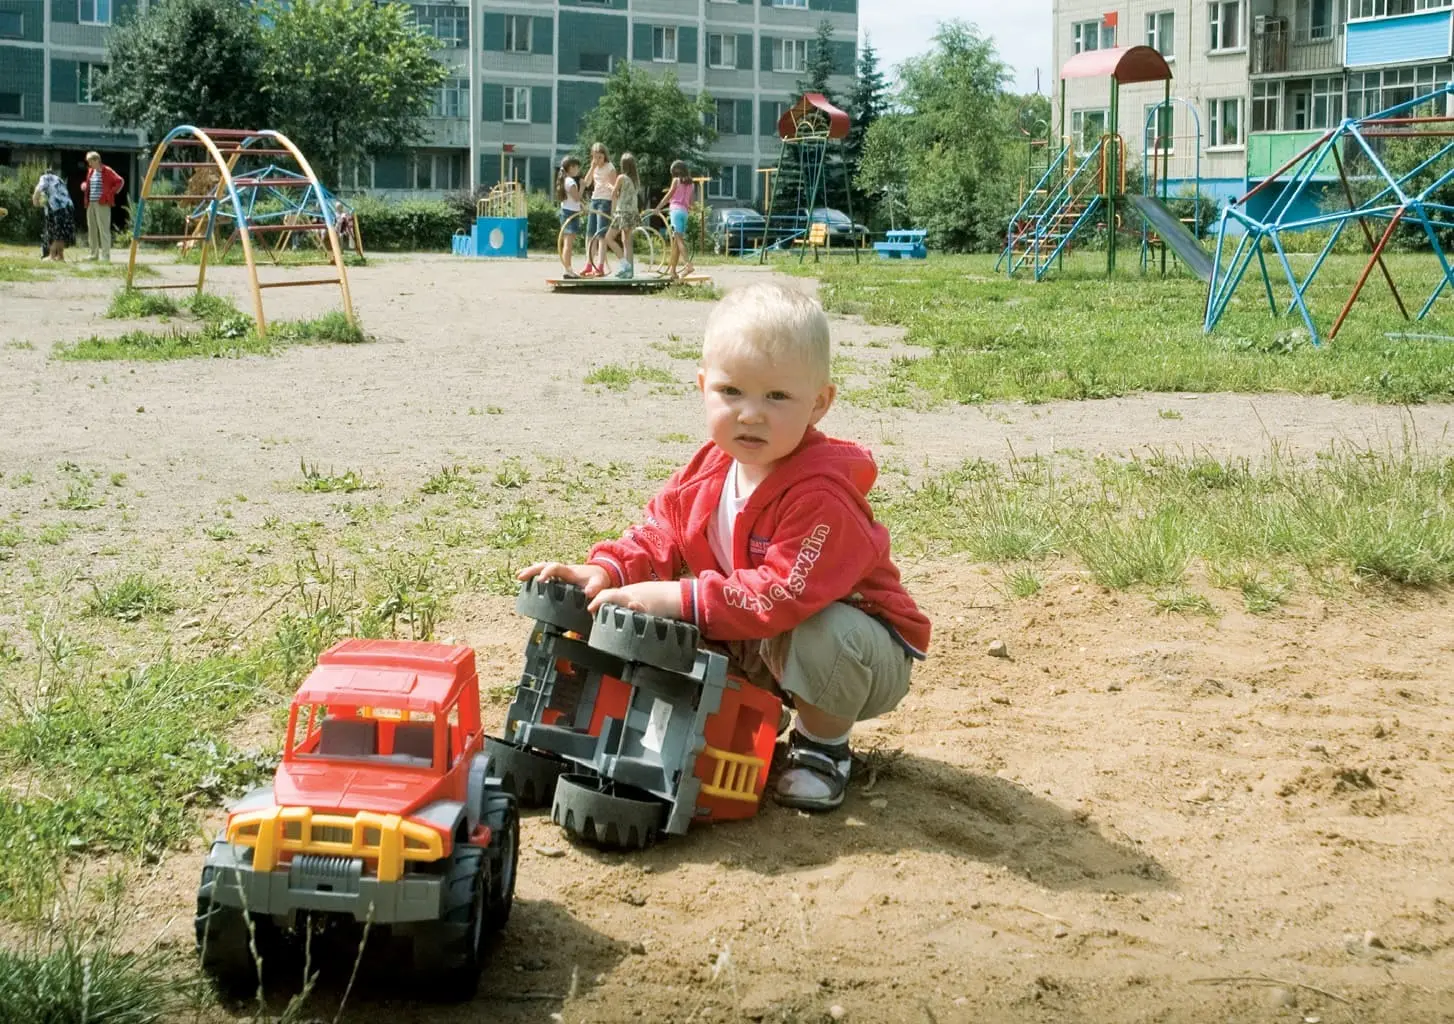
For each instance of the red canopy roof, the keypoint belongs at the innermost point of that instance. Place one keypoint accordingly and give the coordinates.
(837, 120)
(1127, 65)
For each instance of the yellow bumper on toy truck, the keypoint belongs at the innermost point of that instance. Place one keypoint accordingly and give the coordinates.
(386, 838)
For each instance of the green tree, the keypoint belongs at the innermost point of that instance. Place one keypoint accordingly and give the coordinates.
(196, 62)
(653, 119)
(348, 79)
(866, 104)
(883, 174)
(820, 64)
(952, 138)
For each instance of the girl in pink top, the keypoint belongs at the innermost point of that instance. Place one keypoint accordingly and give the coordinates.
(678, 199)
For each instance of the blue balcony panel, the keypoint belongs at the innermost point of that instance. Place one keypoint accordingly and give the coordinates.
(1400, 40)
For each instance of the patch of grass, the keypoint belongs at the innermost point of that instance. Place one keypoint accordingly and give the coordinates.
(615, 377)
(694, 292)
(1385, 517)
(218, 531)
(129, 304)
(130, 598)
(77, 982)
(1168, 414)
(317, 481)
(1184, 602)
(512, 474)
(449, 479)
(55, 533)
(9, 540)
(21, 346)
(1023, 582)
(675, 348)
(674, 438)
(80, 496)
(217, 329)
(987, 337)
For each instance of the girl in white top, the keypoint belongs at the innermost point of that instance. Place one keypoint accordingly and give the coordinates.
(603, 186)
(568, 194)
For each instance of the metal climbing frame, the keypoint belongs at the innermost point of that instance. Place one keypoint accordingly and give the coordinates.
(812, 133)
(243, 160)
(1411, 196)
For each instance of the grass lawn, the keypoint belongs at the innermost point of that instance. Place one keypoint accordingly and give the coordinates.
(1077, 335)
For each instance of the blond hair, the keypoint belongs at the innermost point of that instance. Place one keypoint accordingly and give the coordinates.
(93, 155)
(770, 319)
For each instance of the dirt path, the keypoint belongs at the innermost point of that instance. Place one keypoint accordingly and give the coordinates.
(1128, 811)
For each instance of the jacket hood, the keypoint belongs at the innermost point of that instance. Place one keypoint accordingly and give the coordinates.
(848, 465)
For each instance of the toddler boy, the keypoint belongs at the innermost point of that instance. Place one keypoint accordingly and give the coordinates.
(766, 542)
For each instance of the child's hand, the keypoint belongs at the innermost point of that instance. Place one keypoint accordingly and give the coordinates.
(662, 598)
(590, 578)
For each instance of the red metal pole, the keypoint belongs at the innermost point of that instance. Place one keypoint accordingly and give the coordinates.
(1363, 278)
(1368, 234)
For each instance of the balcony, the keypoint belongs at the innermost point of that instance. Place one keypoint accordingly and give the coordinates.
(1399, 39)
(1278, 50)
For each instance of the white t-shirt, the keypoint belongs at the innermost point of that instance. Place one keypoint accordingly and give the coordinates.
(568, 203)
(719, 537)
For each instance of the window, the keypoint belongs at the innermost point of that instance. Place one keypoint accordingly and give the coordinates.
(596, 63)
(443, 171)
(771, 112)
(1373, 91)
(12, 25)
(723, 184)
(517, 168)
(1226, 26)
(664, 44)
(800, 4)
(1266, 107)
(517, 33)
(88, 77)
(1158, 119)
(93, 12)
(721, 51)
(1313, 20)
(1161, 33)
(12, 104)
(1317, 104)
(1391, 8)
(446, 23)
(726, 117)
(517, 104)
(1093, 35)
(1225, 123)
(449, 100)
(790, 55)
(1087, 126)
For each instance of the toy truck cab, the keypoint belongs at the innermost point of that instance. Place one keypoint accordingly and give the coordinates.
(380, 812)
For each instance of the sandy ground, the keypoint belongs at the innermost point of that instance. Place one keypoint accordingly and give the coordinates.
(1135, 817)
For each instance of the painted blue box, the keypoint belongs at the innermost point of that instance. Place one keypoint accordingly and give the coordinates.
(1398, 40)
(495, 236)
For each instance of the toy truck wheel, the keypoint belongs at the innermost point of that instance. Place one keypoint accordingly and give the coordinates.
(447, 953)
(555, 602)
(528, 775)
(501, 815)
(648, 639)
(600, 813)
(224, 943)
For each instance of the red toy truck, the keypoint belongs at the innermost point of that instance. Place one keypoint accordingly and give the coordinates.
(380, 812)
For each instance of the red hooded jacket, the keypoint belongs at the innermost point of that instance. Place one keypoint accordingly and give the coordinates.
(805, 538)
(111, 184)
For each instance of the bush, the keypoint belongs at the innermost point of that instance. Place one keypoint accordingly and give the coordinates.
(162, 217)
(424, 225)
(24, 222)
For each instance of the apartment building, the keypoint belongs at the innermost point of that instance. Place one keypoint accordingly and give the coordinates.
(539, 66)
(51, 52)
(522, 75)
(1254, 81)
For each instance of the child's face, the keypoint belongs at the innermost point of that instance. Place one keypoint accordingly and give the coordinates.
(759, 408)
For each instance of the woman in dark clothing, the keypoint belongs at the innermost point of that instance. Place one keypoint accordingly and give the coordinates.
(60, 216)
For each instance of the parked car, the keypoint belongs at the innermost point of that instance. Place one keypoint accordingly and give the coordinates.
(842, 229)
(735, 229)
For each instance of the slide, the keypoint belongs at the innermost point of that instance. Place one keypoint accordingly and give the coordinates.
(1175, 234)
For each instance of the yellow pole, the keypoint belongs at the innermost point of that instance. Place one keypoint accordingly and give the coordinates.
(211, 227)
(226, 172)
(702, 208)
(333, 245)
(151, 171)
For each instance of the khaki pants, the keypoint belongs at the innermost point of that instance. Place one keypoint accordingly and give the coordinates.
(841, 661)
(98, 227)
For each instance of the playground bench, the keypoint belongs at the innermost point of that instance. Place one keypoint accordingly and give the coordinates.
(903, 243)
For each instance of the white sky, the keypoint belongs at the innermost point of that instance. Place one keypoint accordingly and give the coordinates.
(1020, 29)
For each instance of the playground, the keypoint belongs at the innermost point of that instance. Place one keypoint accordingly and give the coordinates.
(1208, 797)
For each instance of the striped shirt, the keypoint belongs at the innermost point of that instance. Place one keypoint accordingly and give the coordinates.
(93, 187)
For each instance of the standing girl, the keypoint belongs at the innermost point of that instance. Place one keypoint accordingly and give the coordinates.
(625, 215)
(603, 184)
(568, 194)
(678, 200)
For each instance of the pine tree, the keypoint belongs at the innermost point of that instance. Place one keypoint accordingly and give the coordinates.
(820, 63)
(866, 104)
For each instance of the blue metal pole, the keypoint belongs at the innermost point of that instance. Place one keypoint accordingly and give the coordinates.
(1297, 296)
